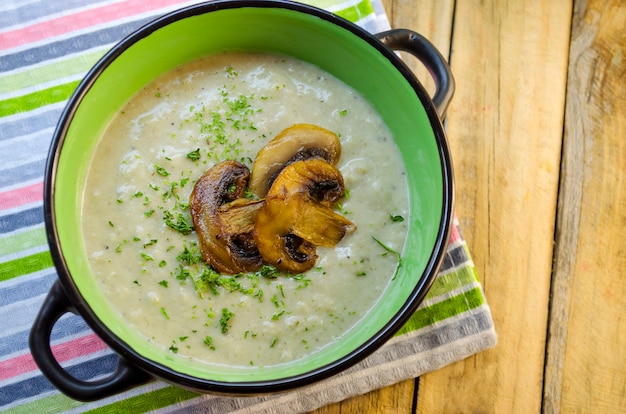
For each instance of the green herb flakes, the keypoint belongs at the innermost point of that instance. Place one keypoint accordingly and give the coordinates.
(396, 219)
(208, 341)
(269, 272)
(177, 222)
(161, 171)
(392, 251)
(225, 320)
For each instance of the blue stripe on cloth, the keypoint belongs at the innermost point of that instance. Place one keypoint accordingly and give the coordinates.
(37, 385)
(25, 218)
(454, 257)
(22, 173)
(30, 124)
(68, 325)
(22, 150)
(40, 9)
(26, 287)
(62, 48)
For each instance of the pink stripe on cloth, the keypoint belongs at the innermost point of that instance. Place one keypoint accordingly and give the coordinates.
(21, 196)
(455, 234)
(80, 20)
(65, 351)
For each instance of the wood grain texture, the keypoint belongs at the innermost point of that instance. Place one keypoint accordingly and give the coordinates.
(586, 364)
(505, 130)
(397, 398)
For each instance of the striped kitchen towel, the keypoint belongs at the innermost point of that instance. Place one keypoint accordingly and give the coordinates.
(45, 49)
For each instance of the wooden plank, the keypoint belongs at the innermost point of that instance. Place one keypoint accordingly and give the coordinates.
(393, 399)
(586, 365)
(505, 129)
(433, 19)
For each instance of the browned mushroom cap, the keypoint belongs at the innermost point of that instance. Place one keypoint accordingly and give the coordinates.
(298, 142)
(224, 220)
(279, 246)
(313, 179)
(296, 216)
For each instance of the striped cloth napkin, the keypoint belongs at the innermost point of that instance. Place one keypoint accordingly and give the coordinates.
(45, 49)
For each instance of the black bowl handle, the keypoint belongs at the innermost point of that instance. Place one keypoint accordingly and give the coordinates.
(420, 47)
(54, 306)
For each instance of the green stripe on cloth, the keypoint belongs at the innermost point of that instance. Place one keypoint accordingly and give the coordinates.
(356, 12)
(52, 404)
(48, 73)
(25, 265)
(37, 99)
(443, 310)
(23, 241)
(152, 400)
(448, 282)
(147, 402)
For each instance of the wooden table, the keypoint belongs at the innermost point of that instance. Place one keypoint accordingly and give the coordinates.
(537, 129)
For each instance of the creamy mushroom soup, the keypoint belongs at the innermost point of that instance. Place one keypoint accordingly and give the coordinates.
(138, 230)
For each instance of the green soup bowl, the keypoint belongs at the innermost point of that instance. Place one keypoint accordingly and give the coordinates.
(368, 63)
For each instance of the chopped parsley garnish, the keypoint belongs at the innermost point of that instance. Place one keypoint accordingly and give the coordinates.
(183, 274)
(302, 280)
(392, 251)
(177, 222)
(269, 272)
(396, 219)
(225, 320)
(145, 256)
(276, 316)
(208, 281)
(277, 302)
(118, 249)
(190, 255)
(161, 171)
(208, 341)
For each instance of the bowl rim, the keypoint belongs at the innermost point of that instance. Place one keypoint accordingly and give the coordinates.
(255, 386)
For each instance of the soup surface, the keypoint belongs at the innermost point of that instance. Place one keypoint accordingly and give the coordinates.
(137, 225)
